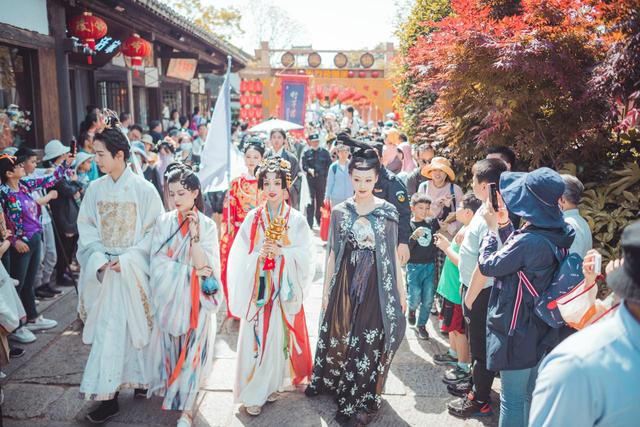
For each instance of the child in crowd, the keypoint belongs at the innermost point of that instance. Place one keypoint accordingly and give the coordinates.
(458, 378)
(83, 164)
(44, 287)
(422, 263)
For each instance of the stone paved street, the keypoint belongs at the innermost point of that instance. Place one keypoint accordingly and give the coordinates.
(42, 387)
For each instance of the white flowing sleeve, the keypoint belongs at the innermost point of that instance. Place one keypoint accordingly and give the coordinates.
(91, 253)
(299, 265)
(11, 308)
(241, 269)
(134, 267)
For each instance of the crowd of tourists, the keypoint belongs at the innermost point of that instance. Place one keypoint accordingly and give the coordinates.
(410, 249)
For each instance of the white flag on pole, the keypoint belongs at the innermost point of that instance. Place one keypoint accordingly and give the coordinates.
(221, 160)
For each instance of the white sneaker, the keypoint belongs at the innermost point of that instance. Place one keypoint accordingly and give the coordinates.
(2, 375)
(23, 335)
(41, 324)
(254, 411)
(184, 421)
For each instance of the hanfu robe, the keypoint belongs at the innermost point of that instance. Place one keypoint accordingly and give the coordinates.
(243, 196)
(273, 344)
(115, 222)
(181, 347)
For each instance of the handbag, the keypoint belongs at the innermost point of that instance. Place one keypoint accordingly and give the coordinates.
(209, 285)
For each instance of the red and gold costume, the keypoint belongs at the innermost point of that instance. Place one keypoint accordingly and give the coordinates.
(243, 196)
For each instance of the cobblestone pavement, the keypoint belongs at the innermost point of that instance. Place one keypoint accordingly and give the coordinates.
(41, 388)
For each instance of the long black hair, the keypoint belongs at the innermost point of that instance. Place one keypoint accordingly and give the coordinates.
(365, 156)
(182, 173)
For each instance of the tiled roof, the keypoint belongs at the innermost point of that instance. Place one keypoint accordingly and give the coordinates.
(166, 12)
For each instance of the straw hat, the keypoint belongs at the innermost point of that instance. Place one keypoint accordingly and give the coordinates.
(392, 135)
(441, 164)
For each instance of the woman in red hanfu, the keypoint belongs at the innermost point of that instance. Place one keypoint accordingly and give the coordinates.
(243, 196)
(270, 271)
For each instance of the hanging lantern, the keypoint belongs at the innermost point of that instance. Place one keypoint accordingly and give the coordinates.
(351, 74)
(375, 74)
(136, 48)
(243, 100)
(251, 99)
(319, 92)
(375, 93)
(243, 86)
(362, 74)
(258, 113)
(258, 100)
(257, 86)
(88, 29)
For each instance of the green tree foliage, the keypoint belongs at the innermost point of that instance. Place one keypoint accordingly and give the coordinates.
(221, 21)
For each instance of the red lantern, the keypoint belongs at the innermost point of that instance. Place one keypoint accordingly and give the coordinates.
(243, 86)
(136, 48)
(375, 93)
(350, 74)
(362, 74)
(375, 74)
(251, 100)
(319, 93)
(243, 100)
(88, 29)
(258, 100)
(257, 86)
(258, 113)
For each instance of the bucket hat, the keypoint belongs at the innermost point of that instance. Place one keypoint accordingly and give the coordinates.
(53, 149)
(534, 196)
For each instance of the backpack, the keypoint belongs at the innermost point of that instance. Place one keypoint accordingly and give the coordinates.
(568, 275)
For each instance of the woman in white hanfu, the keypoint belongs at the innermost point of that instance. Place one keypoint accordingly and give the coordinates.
(268, 279)
(115, 222)
(185, 285)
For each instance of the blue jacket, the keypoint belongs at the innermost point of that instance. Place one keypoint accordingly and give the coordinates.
(528, 250)
(339, 187)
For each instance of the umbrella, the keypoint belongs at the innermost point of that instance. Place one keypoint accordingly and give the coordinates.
(269, 125)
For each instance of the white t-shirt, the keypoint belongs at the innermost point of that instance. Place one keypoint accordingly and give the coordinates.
(470, 248)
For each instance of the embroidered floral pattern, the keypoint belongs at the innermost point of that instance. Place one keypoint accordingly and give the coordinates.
(353, 363)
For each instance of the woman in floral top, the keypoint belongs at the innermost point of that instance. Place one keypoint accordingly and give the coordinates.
(364, 298)
(22, 215)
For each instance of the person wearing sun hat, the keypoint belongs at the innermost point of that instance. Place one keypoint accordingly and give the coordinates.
(516, 338)
(148, 171)
(591, 378)
(440, 187)
(82, 166)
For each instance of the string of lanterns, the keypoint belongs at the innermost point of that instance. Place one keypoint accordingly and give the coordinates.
(251, 101)
(89, 29)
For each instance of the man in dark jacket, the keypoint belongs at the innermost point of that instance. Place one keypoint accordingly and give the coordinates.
(315, 163)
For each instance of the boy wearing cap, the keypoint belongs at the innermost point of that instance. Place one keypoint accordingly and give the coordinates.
(591, 378)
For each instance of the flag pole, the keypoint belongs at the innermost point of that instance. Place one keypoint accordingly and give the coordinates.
(227, 98)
